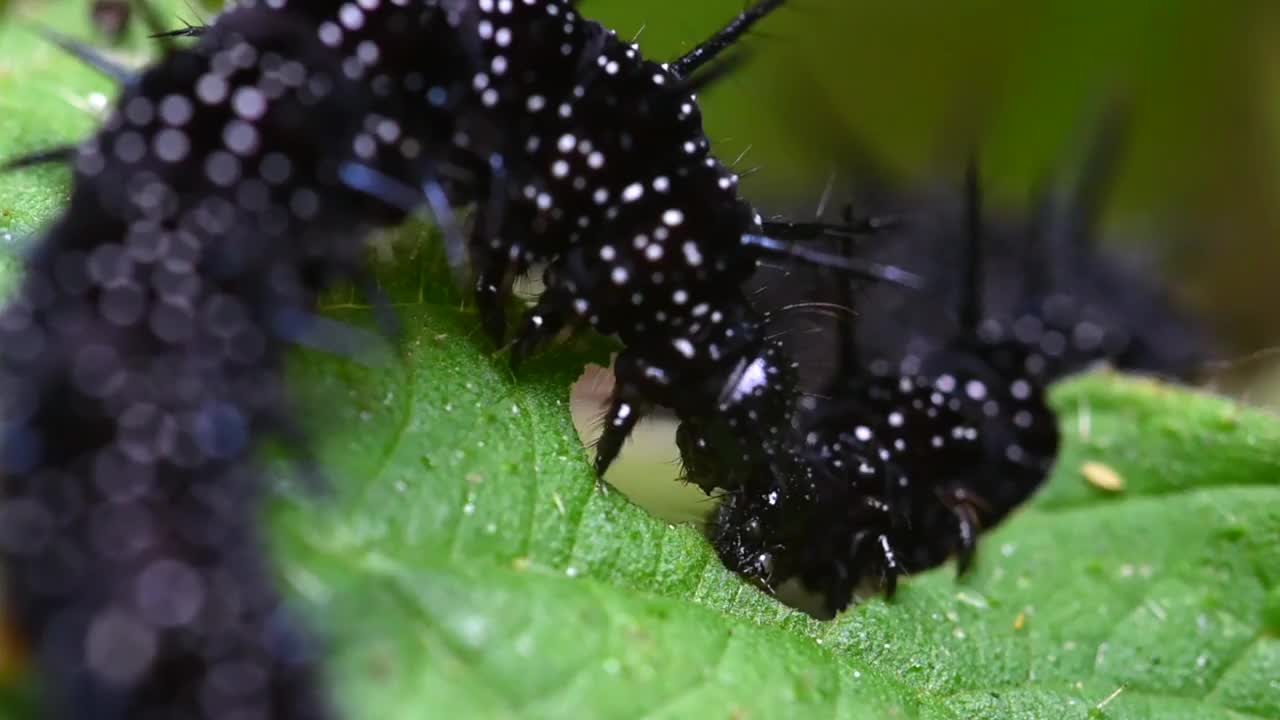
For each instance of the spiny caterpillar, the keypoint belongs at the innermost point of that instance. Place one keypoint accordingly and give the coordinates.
(236, 180)
(1045, 260)
(910, 450)
(579, 154)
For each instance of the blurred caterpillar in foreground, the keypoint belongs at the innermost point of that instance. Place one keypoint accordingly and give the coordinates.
(140, 365)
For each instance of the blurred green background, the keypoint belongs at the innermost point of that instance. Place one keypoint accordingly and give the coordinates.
(916, 81)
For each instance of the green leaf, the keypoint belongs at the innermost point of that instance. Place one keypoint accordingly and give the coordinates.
(467, 565)
(464, 564)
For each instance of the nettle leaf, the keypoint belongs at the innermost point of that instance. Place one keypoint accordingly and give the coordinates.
(463, 562)
(466, 564)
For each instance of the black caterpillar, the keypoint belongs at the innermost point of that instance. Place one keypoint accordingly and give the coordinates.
(907, 457)
(140, 364)
(234, 182)
(580, 154)
(1050, 250)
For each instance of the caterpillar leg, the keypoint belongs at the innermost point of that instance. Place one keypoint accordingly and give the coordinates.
(626, 406)
(883, 555)
(967, 528)
(494, 280)
(891, 568)
(562, 308)
(625, 410)
(964, 505)
(540, 327)
(497, 264)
